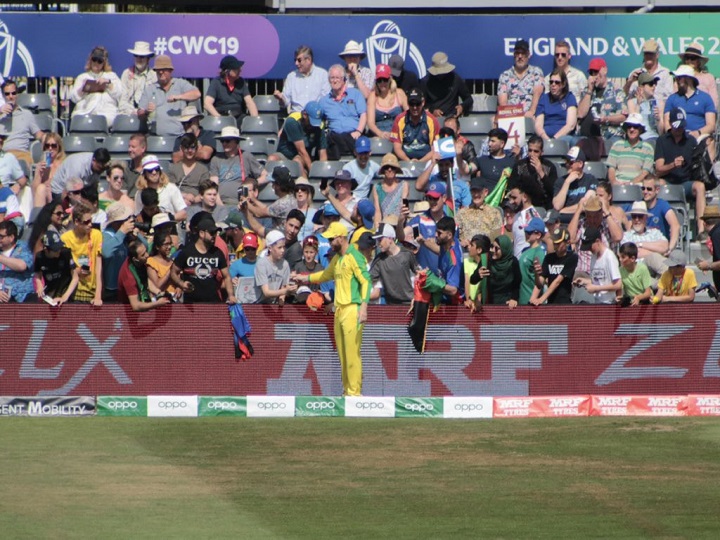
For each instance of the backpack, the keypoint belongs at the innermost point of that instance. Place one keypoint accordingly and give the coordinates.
(701, 167)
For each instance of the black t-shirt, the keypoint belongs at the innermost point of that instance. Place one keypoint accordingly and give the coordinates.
(491, 168)
(554, 266)
(407, 80)
(668, 149)
(57, 272)
(201, 269)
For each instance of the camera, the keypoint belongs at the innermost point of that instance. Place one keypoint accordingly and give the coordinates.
(142, 227)
(243, 192)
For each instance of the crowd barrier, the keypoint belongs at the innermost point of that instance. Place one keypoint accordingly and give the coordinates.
(78, 350)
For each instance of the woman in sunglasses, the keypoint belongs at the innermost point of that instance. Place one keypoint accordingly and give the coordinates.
(556, 113)
(384, 103)
(45, 169)
(51, 216)
(98, 90)
(171, 200)
(114, 191)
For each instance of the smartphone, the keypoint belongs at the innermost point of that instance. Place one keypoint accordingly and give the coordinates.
(323, 184)
(243, 192)
(48, 159)
(406, 202)
(416, 230)
(85, 268)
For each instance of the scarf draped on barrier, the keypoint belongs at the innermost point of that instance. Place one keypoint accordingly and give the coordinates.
(241, 330)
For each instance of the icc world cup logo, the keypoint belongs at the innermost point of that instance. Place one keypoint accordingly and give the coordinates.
(385, 41)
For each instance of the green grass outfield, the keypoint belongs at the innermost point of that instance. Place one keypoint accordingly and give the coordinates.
(359, 478)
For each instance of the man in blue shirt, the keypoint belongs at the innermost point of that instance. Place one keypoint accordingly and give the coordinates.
(16, 262)
(345, 111)
(450, 261)
(699, 108)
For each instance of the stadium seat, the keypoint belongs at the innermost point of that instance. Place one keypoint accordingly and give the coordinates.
(597, 168)
(555, 148)
(89, 123)
(267, 194)
(379, 146)
(413, 194)
(672, 193)
(484, 103)
(257, 145)
(411, 169)
(215, 124)
(293, 166)
(476, 124)
(79, 143)
(529, 126)
(117, 145)
(160, 146)
(125, 123)
(675, 195)
(324, 169)
(267, 104)
(627, 193)
(259, 124)
(35, 102)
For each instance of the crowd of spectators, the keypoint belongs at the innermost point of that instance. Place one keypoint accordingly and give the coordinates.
(497, 224)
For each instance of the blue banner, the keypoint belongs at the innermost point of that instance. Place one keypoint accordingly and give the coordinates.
(480, 46)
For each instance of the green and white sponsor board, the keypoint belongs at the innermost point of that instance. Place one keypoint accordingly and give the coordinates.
(319, 406)
(222, 406)
(121, 406)
(407, 407)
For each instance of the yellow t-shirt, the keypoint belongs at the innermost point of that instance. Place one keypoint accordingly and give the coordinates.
(85, 252)
(680, 287)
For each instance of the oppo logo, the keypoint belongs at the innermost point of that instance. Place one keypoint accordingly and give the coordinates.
(271, 405)
(320, 405)
(371, 405)
(224, 405)
(122, 405)
(172, 404)
(468, 407)
(419, 407)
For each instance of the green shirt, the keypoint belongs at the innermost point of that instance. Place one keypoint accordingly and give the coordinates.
(527, 271)
(637, 282)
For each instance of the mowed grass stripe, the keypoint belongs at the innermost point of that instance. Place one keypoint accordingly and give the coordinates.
(360, 478)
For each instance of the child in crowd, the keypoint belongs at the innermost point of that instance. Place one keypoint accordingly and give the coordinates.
(478, 250)
(678, 283)
(635, 277)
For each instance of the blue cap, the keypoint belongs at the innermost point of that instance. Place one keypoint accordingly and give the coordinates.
(326, 210)
(436, 189)
(314, 112)
(366, 210)
(536, 225)
(362, 145)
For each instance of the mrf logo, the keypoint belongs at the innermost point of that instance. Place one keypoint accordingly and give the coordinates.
(100, 355)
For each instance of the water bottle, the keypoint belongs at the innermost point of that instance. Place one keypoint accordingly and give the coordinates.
(653, 118)
(152, 115)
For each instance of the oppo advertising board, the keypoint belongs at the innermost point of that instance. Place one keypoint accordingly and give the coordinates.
(188, 350)
(52, 44)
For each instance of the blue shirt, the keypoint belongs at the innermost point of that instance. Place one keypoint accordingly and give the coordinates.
(21, 283)
(450, 267)
(461, 192)
(114, 253)
(242, 268)
(555, 112)
(694, 106)
(343, 116)
(657, 219)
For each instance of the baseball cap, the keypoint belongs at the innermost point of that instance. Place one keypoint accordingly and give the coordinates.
(678, 118)
(366, 210)
(382, 71)
(51, 240)
(250, 240)
(362, 145)
(281, 175)
(575, 154)
(415, 95)
(396, 64)
(536, 225)
(436, 189)
(334, 230)
(326, 210)
(310, 241)
(559, 235)
(521, 46)
(596, 64)
(553, 216)
(207, 224)
(230, 62)
(481, 183)
(646, 77)
(234, 219)
(677, 258)
(650, 46)
(589, 237)
(273, 237)
(314, 112)
(387, 231)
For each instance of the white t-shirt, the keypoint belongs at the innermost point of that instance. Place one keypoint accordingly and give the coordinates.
(170, 200)
(604, 271)
(522, 218)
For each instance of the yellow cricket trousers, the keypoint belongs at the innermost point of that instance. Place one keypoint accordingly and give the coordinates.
(348, 338)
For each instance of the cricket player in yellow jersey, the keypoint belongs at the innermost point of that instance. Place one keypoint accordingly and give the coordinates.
(348, 268)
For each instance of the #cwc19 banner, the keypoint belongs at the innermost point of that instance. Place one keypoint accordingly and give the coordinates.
(58, 44)
(545, 351)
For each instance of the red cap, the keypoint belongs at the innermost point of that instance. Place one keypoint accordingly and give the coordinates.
(597, 64)
(250, 240)
(382, 71)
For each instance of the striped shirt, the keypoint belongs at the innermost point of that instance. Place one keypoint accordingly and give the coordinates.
(629, 161)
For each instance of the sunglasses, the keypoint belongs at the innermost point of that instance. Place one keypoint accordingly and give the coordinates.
(86, 222)
(651, 83)
(593, 72)
(645, 188)
(117, 177)
(637, 216)
(383, 80)
(50, 146)
(306, 190)
(10, 93)
(58, 213)
(415, 104)
(560, 54)
(226, 141)
(555, 81)
(300, 59)
(97, 60)
(153, 171)
(76, 192)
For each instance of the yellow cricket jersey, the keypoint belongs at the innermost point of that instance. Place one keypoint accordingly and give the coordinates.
(352, 280)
